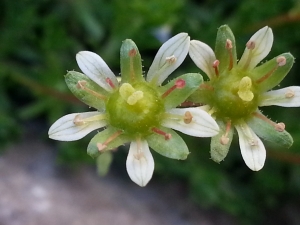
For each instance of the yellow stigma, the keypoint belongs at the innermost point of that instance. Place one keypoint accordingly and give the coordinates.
(245, 92)
(129, 94)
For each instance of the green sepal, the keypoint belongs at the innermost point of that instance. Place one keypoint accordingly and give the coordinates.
(131, 62)
(201, 95)
(103, 163)
(224, 33)
(101, 137)
(178, 96)
(218, 151)
(267, 131)
(277, 76)
(72, 78)
(174, 148)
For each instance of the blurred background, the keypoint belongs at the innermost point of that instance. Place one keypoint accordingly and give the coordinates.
(38, 43)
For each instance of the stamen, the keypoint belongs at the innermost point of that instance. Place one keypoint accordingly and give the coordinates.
(216, 67)
(187, 104)
(188, 117)
(278, 126)
(110, 83)
(102, 146)
(171, 59)
(229, 48)
(212, 111)
(179, 84)
(224, 139)
(206, 86)
(82, 85)
(250, 45)
(139, 154)
(78, 120)
(131, 54)
(289, 93)
(158, 131)
(281, 61)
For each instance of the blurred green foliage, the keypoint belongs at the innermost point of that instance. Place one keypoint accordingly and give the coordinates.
(38, 43)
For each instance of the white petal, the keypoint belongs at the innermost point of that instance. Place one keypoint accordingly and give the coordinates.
(263, 40)
(96, 69)
(140, 163)
(201, 125)
(252, 149)
(203, 56)
(161, 68)
(64, 128)
(286, 97)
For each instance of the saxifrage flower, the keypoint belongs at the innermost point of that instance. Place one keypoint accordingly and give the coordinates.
(236, 89)
(135, 110)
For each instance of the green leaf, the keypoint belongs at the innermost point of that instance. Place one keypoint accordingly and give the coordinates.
(218, 151)
(103, 163)
(103, 136)
(131, 62)
(222, 54)
(178, 96)
(277, 76)
(267, 131)
(85, 96)
(174, 148)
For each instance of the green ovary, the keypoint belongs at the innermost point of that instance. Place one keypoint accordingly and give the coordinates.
(135, 109)
(234, 96)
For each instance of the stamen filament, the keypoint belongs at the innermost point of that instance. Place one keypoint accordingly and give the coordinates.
(78, 120)
(110, 83)
(131, 54)
(169, 61)
(139, 154)
(250, 45)
(179, 84)
(229, 48)
(206, 86)
(101, 146)
(82, 85)
(278, 126)
(160, 132)
(224, 139)
(281, 61)
(216, 67)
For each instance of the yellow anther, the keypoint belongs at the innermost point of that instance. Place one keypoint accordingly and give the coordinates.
(135, 97)
(245, 92)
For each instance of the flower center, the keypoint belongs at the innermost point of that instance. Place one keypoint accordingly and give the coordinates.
(135, 108)
(233, 94)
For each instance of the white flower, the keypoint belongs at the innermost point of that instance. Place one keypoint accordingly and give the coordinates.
(235, 97)
(135, 111)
